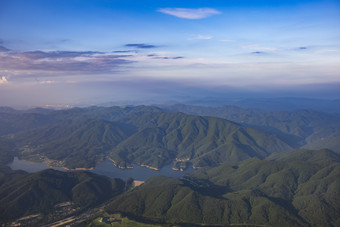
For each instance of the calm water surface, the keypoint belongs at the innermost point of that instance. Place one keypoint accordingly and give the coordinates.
(107, 168)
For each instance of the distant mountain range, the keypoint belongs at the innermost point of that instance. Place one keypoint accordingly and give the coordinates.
(252, 168)
(144, 135)
(156, 136)
(297, 128)
(270, 104)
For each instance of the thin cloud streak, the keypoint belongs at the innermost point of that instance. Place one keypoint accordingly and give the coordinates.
(192, 14)
(202, 37)
(47, 82)
(124, 51)
(257, 47)
(141, 45)
(57, 54)
(63, 61)
(227, 40)
(58, 67)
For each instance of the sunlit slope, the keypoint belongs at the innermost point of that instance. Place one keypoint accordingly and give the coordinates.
(296, 127)
(202, 141)
(288, 192)
(144, 137)
(81, 144)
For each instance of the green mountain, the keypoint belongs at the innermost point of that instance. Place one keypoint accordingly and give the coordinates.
(81, 144)
(202, 141)
(141, 135)
(147, 135)
(244, 178)
(7, 151)
(332, 143)
(297, 128)
(322, 157)
(113, 114)
(14, 123)
(284, 191)
(23, 194)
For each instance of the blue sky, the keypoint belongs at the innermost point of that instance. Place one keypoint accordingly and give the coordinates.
(81, 52)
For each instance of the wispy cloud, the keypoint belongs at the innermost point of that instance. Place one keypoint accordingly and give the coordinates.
(163, 56)
(57, 54)
(3, 80)
(329, 51)
(203, 37)
(258, 48)
(174, 58)
(124, 51)
(63, 61)
(192, 14)
(302, 48)
(141, 45)
(258, 52)
(3, 49)
(227, 40)
(47, 82)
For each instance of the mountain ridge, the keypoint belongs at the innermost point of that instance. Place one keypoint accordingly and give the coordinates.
(251, 192)
(148, 138)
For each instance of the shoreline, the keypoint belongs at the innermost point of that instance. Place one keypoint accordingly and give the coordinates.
(131, 167)
(50, 163)
(150, 167)
(137, 183)
(77, 169)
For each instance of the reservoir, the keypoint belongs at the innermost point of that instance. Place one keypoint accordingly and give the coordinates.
(107, 168)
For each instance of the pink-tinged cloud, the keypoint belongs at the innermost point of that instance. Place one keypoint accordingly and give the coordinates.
(3, 80)
(192, 14)
(63, 61)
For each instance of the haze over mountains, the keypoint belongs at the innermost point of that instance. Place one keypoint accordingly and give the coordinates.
(142, 135)
(249, 167)
(155, 136)
(105, 128)
(235, 103)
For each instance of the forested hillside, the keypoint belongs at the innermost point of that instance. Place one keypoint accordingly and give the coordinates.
(81, 138)
(23, 194)
(309, 128)
(248, 172)
(299, 188)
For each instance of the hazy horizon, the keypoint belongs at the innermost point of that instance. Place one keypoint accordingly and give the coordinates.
(82, 53)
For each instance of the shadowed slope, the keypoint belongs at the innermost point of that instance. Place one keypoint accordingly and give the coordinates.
(289, 192)
(202, 141)
(23, 194)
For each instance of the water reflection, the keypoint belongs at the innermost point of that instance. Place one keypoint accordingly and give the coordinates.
(107, 168)
(30, 167)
